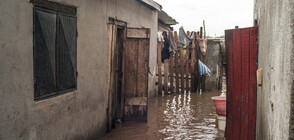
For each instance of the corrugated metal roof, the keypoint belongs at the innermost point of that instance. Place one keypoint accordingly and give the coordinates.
(166, 19)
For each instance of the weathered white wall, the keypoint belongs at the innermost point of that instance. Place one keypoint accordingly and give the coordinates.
(275, 56)
(80, 114)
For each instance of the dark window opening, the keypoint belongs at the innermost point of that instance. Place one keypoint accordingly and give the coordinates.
(55, 53)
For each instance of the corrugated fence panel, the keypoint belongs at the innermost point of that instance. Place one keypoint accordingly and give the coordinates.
(237, 83)
(242, 90)
(245, 83)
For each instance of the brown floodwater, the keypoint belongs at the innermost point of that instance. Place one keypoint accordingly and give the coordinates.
(180, 116)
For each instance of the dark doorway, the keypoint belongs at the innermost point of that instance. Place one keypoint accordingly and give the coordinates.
(116, 37)
(118, 72)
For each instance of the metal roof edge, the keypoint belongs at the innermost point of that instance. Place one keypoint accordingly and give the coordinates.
(151, 4)
(166, 19)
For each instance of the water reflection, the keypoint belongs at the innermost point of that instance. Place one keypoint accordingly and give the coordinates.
(182, 116)
(184, 122)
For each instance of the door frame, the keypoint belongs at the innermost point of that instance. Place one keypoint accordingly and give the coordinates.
(113, 112)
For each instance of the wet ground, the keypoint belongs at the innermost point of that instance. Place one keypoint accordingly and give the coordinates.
(181, 116)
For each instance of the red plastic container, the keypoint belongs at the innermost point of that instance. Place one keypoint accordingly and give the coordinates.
(220, 104)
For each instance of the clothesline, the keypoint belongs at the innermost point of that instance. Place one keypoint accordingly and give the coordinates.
(169, 47)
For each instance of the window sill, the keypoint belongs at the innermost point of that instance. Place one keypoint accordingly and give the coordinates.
(54, 100)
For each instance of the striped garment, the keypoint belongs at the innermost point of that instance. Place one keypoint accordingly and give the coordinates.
(203, 69)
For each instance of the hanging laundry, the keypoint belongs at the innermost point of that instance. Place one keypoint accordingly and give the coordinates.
(165, 51)
(172, 47)
(203, 69)
(202, 44)
(159, 36)
(183, 38)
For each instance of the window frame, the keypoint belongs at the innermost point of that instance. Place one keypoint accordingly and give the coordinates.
(57, 92)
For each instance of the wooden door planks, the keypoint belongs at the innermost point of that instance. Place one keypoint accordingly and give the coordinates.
(136, 54)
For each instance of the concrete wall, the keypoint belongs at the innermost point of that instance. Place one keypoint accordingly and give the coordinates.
(80, 114)
(275, 56)
(213, 62)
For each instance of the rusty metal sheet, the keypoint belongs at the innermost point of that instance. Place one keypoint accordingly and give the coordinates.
(245, 84)
(252, 83)
(229, 45)
(242, 89)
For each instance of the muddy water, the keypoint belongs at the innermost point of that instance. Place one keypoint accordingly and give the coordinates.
(182, 116)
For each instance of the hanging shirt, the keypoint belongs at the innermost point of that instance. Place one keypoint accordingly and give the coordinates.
(202, 44)
(172, 45)
(183, 38)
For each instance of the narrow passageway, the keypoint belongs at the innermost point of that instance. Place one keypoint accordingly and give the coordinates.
(181, 116)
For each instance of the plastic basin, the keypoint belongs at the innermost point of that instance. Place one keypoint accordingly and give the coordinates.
(220, 103)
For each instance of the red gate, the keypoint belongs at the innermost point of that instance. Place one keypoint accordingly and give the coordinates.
(241, 46)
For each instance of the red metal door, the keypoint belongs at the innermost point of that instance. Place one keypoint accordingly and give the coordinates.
(241, 45)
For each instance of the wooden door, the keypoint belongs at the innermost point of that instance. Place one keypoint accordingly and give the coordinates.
(136, 63)
(241, 45)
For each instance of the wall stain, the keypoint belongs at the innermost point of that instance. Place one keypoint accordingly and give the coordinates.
(272, 106)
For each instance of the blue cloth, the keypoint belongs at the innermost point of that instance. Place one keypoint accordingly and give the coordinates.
(203, 69)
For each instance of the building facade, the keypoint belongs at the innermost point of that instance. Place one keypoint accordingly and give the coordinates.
(61, 91)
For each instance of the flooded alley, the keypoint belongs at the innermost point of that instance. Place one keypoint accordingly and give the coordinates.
(146, 70)
(181, 116)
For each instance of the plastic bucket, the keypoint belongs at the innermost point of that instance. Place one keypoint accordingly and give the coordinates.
(220, 105)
